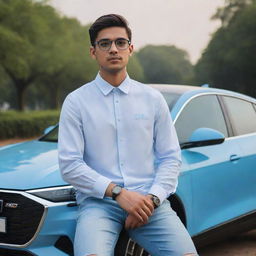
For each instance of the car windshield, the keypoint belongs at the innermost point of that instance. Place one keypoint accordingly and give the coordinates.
(170, 98)
(52, 136)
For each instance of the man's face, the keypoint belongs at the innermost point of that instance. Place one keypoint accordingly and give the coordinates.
(113, 60)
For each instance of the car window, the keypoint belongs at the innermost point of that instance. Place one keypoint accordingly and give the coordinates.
(242, 115)
(170, 98)
(203, 111)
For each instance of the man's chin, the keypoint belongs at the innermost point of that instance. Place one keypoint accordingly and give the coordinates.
(114, 70)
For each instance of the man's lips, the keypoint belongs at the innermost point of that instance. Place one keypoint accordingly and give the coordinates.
(114, 58)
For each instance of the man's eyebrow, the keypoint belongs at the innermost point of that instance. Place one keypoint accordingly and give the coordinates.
(106, 39)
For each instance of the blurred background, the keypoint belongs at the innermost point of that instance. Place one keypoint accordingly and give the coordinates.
(44, 46)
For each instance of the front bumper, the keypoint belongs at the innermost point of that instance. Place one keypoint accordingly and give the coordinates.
(51, 225)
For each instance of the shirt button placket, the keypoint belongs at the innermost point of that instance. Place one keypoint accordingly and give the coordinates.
(119, 129)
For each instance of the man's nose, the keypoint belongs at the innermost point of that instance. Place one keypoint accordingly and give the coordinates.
(113, 48)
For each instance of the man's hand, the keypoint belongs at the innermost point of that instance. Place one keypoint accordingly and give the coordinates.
(132, 222)
(139, 206)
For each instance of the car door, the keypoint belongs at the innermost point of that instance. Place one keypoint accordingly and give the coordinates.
(242, 116)
(214, 169)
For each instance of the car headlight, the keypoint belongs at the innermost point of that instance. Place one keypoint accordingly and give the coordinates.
(55, 194)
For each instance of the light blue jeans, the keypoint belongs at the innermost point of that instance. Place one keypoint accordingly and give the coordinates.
(101, 220)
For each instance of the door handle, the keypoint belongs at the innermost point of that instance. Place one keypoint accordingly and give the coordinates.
(234, 157)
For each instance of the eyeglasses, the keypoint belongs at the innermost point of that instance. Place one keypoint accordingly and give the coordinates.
(121, 44)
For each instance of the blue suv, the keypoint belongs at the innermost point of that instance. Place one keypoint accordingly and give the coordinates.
(216, 195)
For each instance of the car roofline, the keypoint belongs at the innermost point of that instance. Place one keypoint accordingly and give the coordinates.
(184, 89)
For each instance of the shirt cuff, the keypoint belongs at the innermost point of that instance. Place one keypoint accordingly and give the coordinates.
(159, 192)
(100, 187)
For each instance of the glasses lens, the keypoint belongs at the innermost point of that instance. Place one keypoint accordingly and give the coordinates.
(122, 43)
(104, 44)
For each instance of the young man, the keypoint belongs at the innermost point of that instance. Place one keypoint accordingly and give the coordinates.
(110, 132)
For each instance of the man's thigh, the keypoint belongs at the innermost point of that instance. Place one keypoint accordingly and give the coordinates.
(164, 234)
(98, 226)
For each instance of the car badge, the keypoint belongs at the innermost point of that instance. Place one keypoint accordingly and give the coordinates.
(11, 205)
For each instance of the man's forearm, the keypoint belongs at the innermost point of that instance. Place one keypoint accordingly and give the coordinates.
(109, 189)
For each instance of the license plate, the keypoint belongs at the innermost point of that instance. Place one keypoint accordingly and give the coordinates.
(2, 225)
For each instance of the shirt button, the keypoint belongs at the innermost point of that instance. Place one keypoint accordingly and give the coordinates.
(122, 164)
(118, 119)
(117, 101)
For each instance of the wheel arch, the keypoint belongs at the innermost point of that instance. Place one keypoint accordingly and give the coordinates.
(178, 207)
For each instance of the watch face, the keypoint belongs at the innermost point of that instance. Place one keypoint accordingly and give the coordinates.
(156, 201)
(116, 190)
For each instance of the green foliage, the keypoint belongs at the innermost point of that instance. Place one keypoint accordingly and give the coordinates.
(77, 69)
(27, 124)
(135, 69)
(40, 48)
(229, 61)
(165, 64)
(231, 8)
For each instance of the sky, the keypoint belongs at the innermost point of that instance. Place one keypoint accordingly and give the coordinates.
(186, 24)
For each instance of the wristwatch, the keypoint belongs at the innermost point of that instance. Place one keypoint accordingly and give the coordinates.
(116, 190)
(156, 201)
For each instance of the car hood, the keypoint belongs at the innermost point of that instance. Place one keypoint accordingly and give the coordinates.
(29, 165)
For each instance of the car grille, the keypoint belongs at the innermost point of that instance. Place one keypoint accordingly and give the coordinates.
(23, 217)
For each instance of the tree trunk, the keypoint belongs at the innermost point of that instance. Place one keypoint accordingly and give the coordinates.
(21, 86)
(55, 96)
(21, 97)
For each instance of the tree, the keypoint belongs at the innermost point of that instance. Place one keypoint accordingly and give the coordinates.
(232, 7)
(32, 43)
(229, 60)
(7, 93)
(165, 64)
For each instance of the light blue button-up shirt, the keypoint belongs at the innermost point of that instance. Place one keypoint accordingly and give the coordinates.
(115, 134)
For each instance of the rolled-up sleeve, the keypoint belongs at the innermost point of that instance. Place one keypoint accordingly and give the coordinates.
(167, 153)
(71, 143)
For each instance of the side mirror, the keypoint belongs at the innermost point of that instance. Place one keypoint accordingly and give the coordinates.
(204, 137)
(48, 129)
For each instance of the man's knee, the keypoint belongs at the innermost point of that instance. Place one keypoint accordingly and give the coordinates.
(91, 255)
(190, 254)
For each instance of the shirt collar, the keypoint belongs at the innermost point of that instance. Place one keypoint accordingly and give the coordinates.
(106, 87)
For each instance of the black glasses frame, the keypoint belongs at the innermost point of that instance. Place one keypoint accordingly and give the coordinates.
(111, 42)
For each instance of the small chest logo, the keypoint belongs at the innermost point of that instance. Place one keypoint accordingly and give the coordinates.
(140, 116)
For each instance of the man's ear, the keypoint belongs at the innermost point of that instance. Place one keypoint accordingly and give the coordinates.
(92, 52)
(131, 49)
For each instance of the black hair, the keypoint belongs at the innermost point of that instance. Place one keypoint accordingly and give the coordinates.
(106, 21)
